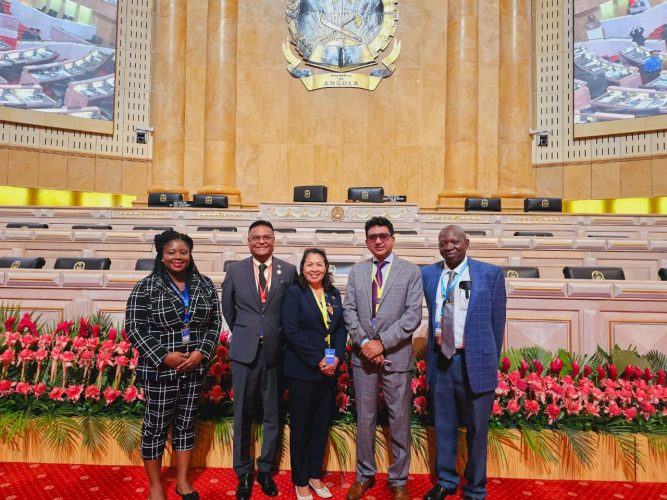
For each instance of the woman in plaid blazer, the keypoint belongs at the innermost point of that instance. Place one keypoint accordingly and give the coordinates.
(173, 318)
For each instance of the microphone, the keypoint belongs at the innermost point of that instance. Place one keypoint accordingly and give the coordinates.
(467, 286)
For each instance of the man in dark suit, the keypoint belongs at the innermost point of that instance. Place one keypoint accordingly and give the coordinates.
(466, 304)
(252, 297)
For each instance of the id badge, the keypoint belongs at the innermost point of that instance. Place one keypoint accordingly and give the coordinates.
(374, 324)
(437, 333)
(185, 334)
(330, 356)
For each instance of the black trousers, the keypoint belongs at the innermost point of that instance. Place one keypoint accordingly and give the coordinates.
(310, 407)
(174, 402)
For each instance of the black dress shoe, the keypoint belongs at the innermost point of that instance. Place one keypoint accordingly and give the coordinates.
(268, 484)
(439, 492)
(193, 495)
(244, 489)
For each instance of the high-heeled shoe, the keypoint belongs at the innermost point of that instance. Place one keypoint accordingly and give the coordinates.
(299, 497)
(322, 492)
(193, 495)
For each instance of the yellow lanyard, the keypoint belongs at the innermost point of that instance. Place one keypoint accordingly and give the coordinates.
(322, 306)
(384, 280)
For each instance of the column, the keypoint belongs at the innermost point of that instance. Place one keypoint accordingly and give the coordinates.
(462, 103)
(515, 168)
(220, 132)
(169, 102)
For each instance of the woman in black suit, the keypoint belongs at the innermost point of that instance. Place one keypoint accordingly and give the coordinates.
(316, 336)
(173, 319)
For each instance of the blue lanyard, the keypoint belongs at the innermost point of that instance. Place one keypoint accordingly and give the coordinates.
(446, 293)
(185, 297)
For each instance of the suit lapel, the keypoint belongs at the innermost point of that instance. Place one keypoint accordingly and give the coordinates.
(250, 278)
(394, 271)
(276, 279)
(367, 282)
(475, 287)
(313, 303)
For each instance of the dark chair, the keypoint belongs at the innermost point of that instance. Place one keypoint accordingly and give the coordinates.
(662, 272)
(225, 229)
(521, 272)
(366, 194)
(22, 262)
(164, 199)
(334, 231)
(210, 201)
(152, 228)
(228, 264)
(284, 229)
(482, 204)
(144, 265)
(595, 273)
(83, 263)
(533, 233)
(99, 227)
(310, 194)
(543, 205)
(26, 225)
(476, 233)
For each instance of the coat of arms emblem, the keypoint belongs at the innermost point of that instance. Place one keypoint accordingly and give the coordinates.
(338, 38)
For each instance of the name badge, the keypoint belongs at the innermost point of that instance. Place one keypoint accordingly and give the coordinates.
(185, 334)
(330, 356)
(374, 324)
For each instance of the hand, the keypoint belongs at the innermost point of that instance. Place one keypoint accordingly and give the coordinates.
(174, 359)
(328, 370)
(378, 360)
(371, 349)
(191, 362)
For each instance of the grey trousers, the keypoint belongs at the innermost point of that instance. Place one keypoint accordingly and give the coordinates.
(396, 389)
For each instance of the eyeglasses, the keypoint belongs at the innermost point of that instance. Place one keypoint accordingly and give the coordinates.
(380, 236)
(258, 238)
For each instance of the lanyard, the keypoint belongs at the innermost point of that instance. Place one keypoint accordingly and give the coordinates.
(446, 293)
(263, 291)
(384, 280)
(185, 297)
(322, 306)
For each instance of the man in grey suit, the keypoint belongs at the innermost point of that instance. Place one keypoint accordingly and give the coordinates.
(252, 299)
(383, 307)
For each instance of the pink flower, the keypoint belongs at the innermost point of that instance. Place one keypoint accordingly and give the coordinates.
(342, 402)
(553, 411)
(130, 393)
(28, 339)
(523, 367)
(556, 366)
(613, 371)
(647, 410)
(27, 323)
(92, 392)
(539, 368)
(575, 368)
(73, 392)
(84, 328)
(6, 387)
(96, 331)
(110, 395)
(531, 406)
(39, 389)
(9, 323)
(614, 410)
(497, 409)
(7, 357)
(41, 355)
(587, 371)
(122, 361)
(513, 406)
(67, 359)
(419, 405)
(44, 341)
(592, 409)
(216, 394)
(224, 336)
(505, 364)
(112, 334)
(421, 366)
(630, 413)
(57, 394)
(23, 388)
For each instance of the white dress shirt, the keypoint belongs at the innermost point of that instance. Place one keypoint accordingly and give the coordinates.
(459, 298)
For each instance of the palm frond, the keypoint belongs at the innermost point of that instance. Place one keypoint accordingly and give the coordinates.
(621, 434)
(627, 357)
(541, 444)
(419, 441)
(657, 360)
(223, 432)
(500, 439)
(57, 432)
(657, 442)
(13, 425)
(93, 434)
(580, 443)
(341, 435)
(126, 432)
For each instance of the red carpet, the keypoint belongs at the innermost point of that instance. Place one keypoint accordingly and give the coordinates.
(19, 481)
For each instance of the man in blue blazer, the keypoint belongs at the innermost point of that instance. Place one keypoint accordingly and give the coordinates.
(466, 304)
